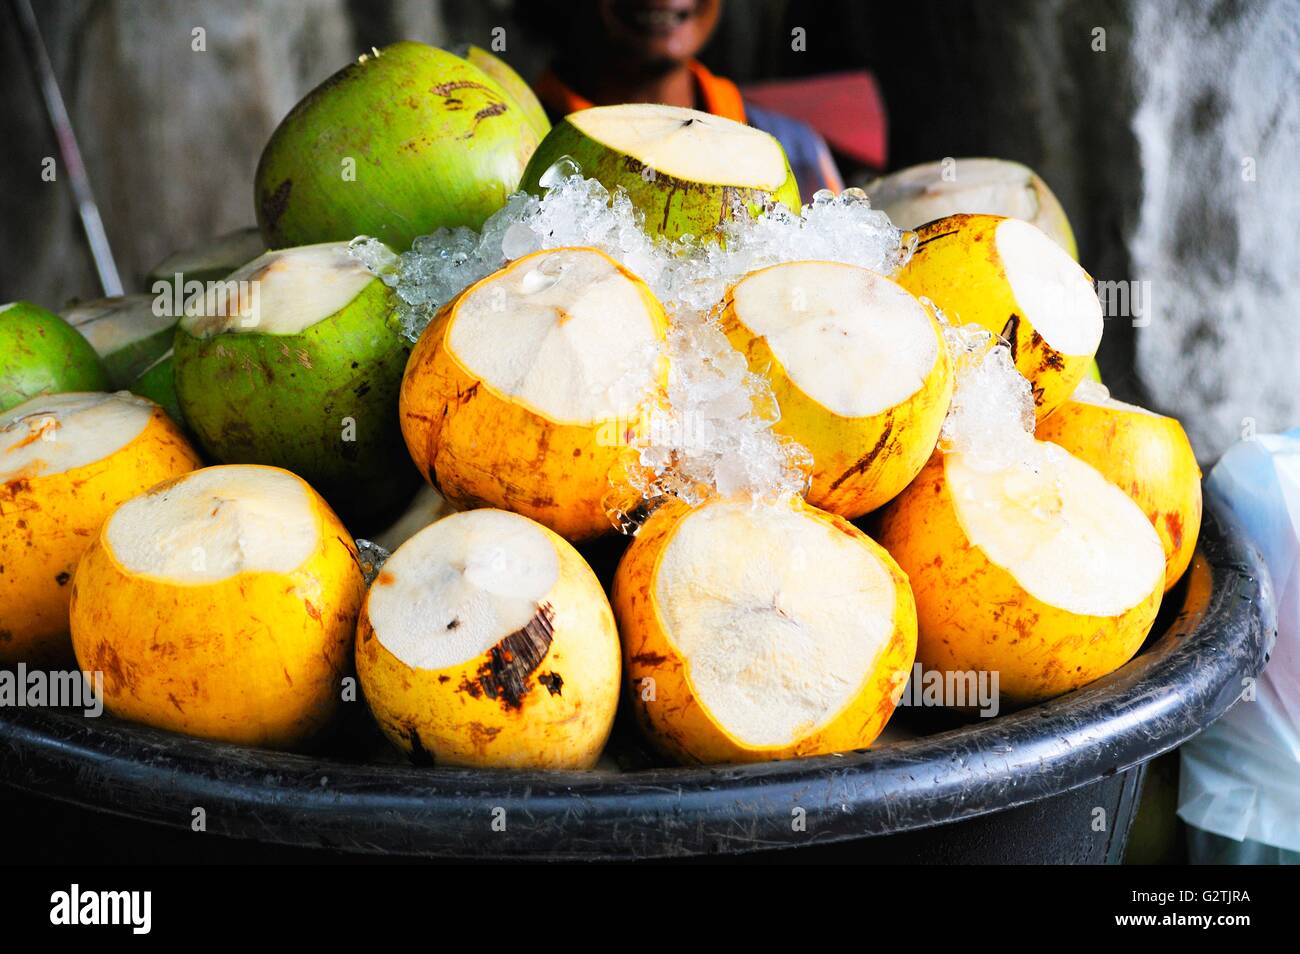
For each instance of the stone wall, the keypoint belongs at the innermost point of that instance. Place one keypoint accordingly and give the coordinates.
(1217, 230)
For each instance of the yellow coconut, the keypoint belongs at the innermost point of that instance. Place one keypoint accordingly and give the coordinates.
(859, 370)
(761, 631)
(1040, 570)
(1009, 277)
(1144, 454)
(487, 641)
(66, 461)
(523, 391)
(223, 605)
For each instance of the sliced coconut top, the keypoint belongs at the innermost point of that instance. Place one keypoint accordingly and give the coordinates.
(921, 194)
(850, 339)
(779, 616)
(215, 523)
(110, 324)
(1051, 288)
(1070, 538)
(687, 144)
(564, 332)
(283, 292)
(460, 586)
(54, 433)
(1097, 394)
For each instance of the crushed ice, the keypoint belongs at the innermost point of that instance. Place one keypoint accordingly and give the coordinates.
(373, 254)
(991, 419)
(371, 557)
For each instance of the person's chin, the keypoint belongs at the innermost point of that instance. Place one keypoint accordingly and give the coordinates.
(656, 62)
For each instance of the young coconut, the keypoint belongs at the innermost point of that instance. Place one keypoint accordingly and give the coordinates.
(859, 370)
(523, 391)
(687, 171)
(761, 631)
(210, 260)
(396, 145)
(126, 332)
(487, 641)
(919, 194)
(158, 383)
(1008, 277)
(66, 461)
(40, 353)
(514, 85)
(1144, 454)
(221, 604)
(295, 360)
(1040, 570)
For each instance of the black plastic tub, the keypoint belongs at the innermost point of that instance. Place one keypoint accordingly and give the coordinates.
(1057, 782)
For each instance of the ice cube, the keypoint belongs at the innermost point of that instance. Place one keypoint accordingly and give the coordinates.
(372, 558)
(519, 240)
(563, 168)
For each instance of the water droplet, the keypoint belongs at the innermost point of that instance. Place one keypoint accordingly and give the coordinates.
(542, 277)
(563, 168)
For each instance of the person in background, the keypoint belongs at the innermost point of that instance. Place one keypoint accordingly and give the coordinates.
(643, 51)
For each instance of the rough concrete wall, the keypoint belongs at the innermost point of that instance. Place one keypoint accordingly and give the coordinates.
(1218, 229)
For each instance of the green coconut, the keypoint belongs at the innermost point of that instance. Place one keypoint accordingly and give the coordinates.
(399, 144)
(300, 368)
(158, 383)
(128, 332)
(40, 353)
(916, 195)
(210, 260)
(512, 83)
(687, 171)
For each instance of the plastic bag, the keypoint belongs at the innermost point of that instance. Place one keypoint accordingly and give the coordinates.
(1241, 776)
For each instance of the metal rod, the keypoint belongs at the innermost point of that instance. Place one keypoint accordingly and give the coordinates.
(57, 114)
